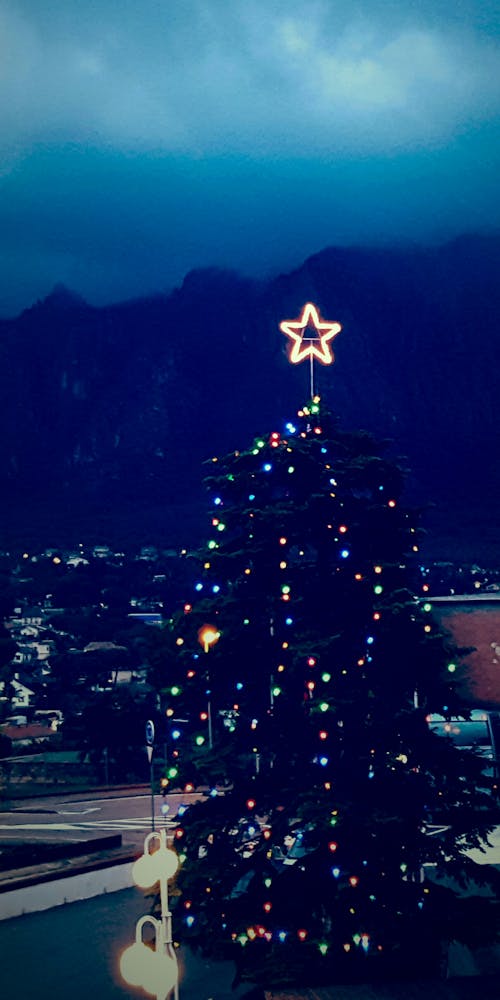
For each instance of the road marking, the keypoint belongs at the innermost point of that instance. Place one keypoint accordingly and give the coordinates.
(109, 798)
(38, 826)
(137, 823)
(78, 812)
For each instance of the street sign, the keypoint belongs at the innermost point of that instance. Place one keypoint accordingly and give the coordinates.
(150, 732)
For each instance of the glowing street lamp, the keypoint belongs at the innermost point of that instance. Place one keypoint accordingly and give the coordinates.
(208, 635)
(154, 971)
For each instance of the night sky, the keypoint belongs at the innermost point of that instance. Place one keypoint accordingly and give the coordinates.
(144, 138)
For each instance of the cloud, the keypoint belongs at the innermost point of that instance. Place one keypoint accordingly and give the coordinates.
(145, 138)
(286, 78)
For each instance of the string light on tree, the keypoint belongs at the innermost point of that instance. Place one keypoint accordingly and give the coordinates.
(313, 576)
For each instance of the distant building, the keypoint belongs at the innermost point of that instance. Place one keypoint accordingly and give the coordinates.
(19, 694)
(77, 560)
(104, 647)
(101, 552)
(148, 617)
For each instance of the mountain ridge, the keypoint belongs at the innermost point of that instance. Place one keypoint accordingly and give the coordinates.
(116, 407)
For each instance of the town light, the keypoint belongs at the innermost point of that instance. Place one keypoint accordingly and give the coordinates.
(153, 970)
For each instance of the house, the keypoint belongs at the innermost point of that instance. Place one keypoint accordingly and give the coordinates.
(23, 656)
(41, 650)
(19, 695)
(120, 676)
(101, 552)
(77, 560)
(32, 616)
(148, 553)
(104, 647)
(23, 696)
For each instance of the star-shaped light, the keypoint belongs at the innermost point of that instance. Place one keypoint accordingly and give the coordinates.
(315, 346)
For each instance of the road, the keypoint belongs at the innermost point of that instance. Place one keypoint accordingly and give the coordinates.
(86, 816)
(72, 953)
(80, 816)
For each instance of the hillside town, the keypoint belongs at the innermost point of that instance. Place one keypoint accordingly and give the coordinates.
(81, 655)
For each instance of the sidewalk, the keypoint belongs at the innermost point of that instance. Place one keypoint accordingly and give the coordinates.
(22, 798)
(77, 876)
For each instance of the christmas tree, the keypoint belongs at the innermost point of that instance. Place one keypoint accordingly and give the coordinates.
(303, 672)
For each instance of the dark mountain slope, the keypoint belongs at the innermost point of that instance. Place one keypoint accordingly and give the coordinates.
(110, 412)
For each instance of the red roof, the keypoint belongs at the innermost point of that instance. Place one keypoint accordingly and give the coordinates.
(475, 625)
(32, 732)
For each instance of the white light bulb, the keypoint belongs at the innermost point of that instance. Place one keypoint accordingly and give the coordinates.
(168, 862)
(134, 962)
(161, 975)
(144, 871)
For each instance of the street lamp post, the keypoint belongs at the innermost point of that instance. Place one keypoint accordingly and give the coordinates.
(208, 635)
(150, 741)
(154, 971)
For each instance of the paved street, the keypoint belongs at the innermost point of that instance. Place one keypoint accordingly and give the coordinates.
(84, 816)
(73, 952)
(76, 817)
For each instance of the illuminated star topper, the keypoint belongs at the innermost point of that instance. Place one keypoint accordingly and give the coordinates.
(310, 336)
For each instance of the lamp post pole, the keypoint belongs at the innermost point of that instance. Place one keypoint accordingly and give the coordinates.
(156, 971)
(209, 713)
(150, 740)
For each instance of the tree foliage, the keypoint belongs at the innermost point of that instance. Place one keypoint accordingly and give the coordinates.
(309, 710)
